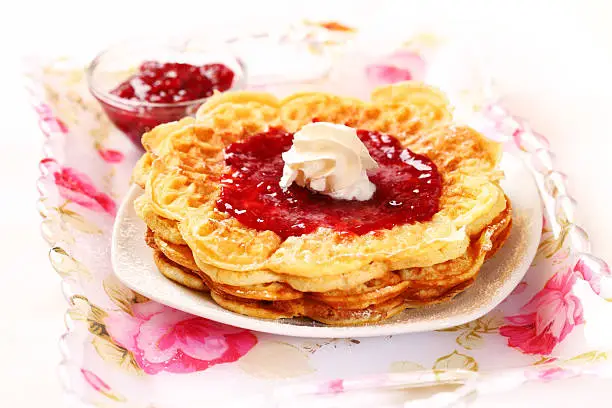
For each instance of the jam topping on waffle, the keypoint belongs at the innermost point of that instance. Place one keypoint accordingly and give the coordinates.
(408, 189)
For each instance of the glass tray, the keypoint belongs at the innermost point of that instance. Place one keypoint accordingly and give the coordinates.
(121, 348)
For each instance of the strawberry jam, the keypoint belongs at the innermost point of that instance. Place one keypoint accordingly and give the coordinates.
(172, 82)
(408, 189)
(161, 92)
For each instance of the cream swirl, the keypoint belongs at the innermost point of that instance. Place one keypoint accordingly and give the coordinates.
(329, 159)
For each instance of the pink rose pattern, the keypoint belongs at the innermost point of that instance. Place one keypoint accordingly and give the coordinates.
(166, 339)
(110, 155)
(332, 387)
(589, 275)
(547, 318)
(550, 374)
(336, 386)
(402, 65)
(100, 386)
(48, 122)
(79, 188)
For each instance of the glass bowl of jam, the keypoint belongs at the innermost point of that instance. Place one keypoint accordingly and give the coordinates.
(143, 83)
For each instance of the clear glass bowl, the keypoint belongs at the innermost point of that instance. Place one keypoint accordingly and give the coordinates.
(117, 63)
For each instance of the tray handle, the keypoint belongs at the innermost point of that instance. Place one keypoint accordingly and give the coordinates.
(559, 205)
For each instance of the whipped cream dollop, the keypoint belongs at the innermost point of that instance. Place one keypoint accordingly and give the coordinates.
(329, 159)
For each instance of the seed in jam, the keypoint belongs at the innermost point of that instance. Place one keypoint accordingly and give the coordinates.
(170, 82)
(408, 189)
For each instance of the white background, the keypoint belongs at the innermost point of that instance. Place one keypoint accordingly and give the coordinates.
(552, 58)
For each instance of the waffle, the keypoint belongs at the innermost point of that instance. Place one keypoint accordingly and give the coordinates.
(366, 302)
(324, 275)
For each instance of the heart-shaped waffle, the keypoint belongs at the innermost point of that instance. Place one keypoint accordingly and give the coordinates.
(382, 271)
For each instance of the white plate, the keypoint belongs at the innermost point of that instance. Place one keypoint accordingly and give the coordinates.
(133, 264)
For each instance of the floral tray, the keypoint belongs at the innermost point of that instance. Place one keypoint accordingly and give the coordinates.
(120, 347)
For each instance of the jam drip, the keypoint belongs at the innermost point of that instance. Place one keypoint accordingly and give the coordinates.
(408, 189)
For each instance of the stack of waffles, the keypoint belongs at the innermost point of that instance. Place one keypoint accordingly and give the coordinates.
(326, 275)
